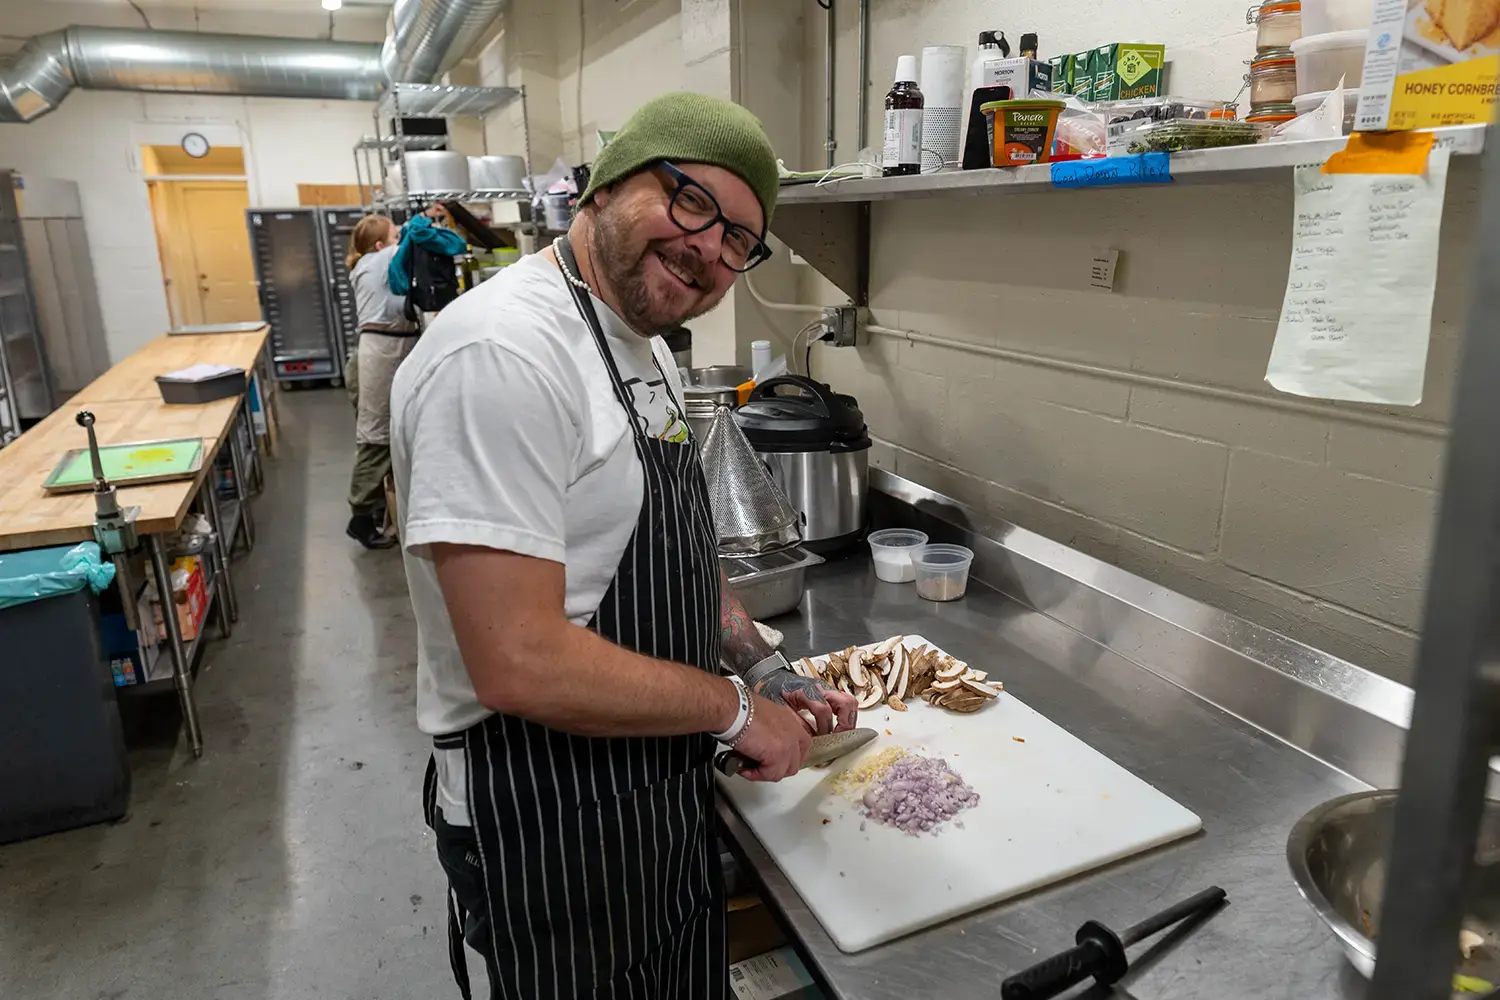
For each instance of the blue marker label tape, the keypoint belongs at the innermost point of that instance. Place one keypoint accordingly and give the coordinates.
(1143, 168)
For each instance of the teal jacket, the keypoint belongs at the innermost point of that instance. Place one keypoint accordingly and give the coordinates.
(421, 232)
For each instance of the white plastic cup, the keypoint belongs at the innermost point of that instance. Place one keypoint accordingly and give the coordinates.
(891, 551)
(760, 356)
(942, 571)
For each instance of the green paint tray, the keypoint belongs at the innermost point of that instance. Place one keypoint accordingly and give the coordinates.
(133, 464)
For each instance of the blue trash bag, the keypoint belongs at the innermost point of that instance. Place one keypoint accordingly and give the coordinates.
(38, 573)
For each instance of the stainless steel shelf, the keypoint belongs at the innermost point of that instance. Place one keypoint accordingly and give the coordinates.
(161, 685)
(430, 100)
(1224, 166)
(408, 142)
(479, 194)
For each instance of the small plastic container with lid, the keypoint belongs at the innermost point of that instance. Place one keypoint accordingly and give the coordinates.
(1308, 103)
(891, 550)
(1273, 77)
(1324, 60)
(942, 571)
(1319, 17)
(1278, 23)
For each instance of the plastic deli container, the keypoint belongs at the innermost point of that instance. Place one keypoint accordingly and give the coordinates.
(1273, 77)
(1321, 17)
(1277, 24)
(942, 571)
(1021, 132)
(1306, 103)
(1127, 118)
(891, 549)
(1322, 60)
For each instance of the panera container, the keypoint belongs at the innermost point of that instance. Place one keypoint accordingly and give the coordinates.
(1021, 132)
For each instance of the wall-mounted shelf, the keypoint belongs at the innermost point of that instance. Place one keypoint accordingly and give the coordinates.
(822, 222)
(407, 142)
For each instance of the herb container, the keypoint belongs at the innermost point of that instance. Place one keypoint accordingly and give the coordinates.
(1278, 23)
(1124, 119)
(1273, 77)
(1184, 134)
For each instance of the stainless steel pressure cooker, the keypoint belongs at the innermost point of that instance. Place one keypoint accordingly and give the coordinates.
(817, 447)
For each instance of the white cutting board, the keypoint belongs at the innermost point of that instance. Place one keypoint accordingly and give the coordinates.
(1049, 808)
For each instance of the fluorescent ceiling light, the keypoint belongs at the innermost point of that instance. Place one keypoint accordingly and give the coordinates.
(332, 4)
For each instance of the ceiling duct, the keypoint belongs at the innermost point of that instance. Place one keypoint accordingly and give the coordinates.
(50, 66)
(426, 37)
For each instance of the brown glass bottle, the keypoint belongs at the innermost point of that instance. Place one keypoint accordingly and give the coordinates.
(903, 122)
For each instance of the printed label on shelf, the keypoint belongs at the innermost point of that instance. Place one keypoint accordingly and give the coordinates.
(1142, 168)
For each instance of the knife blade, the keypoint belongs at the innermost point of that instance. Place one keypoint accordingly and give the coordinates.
(826, 748)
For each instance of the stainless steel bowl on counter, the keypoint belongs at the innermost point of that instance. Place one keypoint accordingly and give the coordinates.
(1338, 854)
(772, 583)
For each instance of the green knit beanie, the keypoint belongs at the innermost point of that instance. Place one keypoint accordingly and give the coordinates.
(685, 127)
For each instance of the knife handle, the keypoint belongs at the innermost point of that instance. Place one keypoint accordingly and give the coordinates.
(730, 763)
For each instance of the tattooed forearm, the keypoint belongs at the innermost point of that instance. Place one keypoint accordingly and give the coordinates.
(740, 642)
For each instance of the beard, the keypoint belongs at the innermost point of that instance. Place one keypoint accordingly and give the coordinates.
(621, 259)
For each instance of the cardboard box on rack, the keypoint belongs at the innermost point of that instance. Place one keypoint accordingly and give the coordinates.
(1062, 74)
(1430, 63)
(1083, 75)
(1024, 77)
(189, 599)
(1124, 71)
(776, 975)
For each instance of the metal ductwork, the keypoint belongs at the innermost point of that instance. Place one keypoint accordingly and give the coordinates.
(426, 37)
(49, 66)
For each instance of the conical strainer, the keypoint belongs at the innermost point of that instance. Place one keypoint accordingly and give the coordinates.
(751, 513)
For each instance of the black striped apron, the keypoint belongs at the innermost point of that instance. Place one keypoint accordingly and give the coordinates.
(598, 857)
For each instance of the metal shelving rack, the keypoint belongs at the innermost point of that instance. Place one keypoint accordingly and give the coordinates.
(422, 100)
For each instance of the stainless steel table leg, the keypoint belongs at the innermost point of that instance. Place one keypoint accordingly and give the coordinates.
(229, 611)
(182, 677)
(241, 487)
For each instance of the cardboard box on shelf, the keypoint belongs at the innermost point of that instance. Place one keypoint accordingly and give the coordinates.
(1024, 77)
(189, 599)
(1126, 70)
(752, 930)
(1083, 75)
(1062, 74)
(776, 975)
(1430, 63)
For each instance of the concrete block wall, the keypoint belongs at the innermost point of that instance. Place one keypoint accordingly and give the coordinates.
(1163, 450)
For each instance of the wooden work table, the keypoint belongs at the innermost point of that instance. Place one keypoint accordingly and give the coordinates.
(127, 407)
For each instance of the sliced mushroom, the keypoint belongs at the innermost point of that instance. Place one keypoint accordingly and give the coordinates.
(1468, 941)
(843, 685)
(983, 690)
(874, 694)
(887, 647)
(901, 679)
(976, 675)
(951, 669)
(857, 674)
(806, 667)
(943, 687)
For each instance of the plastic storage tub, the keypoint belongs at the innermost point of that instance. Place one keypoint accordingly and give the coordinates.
(1323, 60)
(1306, 103)
(942, 571)
(891, 549)
(1322, 17)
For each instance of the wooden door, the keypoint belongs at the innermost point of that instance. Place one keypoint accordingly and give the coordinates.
(223, 273)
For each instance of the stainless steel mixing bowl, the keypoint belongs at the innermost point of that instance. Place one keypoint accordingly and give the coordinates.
(1338, 854)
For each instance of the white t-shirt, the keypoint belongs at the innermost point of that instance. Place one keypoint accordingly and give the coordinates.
(506, 433)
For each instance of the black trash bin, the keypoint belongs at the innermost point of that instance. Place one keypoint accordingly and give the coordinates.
(62, 751)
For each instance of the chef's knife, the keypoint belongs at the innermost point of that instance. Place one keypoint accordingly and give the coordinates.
(824, 749)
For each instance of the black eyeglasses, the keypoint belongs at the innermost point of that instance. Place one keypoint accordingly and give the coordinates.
(694, 208)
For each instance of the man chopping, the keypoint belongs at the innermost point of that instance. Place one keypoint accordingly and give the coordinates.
(562, 562)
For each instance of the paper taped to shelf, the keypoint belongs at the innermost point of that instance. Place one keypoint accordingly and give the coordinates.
(1357, 316)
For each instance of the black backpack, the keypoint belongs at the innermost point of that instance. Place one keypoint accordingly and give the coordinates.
(432, 281)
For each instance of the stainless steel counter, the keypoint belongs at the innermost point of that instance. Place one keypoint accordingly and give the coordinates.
(1248, 785)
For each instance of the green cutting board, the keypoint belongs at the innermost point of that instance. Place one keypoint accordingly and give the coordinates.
(124, 462)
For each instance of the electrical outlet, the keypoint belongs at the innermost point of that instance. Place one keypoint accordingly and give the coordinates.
(840, 326)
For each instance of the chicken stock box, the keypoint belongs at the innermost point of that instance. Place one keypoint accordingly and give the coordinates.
(1430, 63)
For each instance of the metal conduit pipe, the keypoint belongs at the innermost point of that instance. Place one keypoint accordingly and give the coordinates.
(424, 38)
(831, 144)
(50, 66)
(862, 127)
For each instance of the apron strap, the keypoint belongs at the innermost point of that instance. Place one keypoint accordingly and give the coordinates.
(457, 915)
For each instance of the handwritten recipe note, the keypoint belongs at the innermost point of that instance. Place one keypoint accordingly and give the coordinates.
(1357, 315)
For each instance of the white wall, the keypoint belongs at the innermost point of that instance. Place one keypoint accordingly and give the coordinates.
(94, 137)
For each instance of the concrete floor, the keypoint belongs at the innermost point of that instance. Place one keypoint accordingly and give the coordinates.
(291, 861)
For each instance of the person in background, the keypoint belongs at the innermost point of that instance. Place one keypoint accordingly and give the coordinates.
(385, 337)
